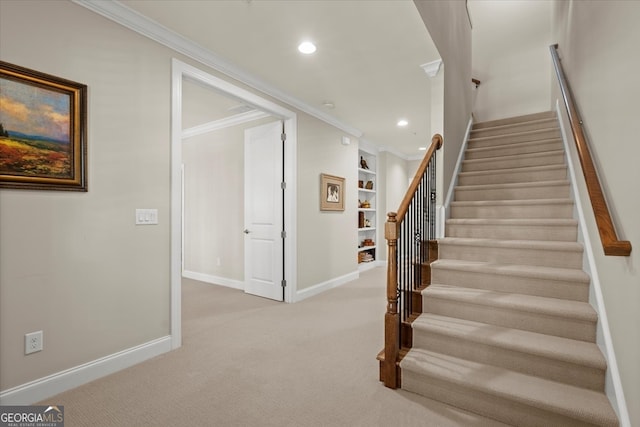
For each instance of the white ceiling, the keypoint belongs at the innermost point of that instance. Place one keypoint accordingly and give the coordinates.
(367, 63)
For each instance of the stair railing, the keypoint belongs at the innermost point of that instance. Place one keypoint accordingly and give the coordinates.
(408, 232)
(610, 242)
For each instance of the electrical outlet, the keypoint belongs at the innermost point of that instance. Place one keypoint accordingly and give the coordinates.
(33, 342)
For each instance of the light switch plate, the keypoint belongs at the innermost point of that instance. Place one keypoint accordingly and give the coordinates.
(146, 216)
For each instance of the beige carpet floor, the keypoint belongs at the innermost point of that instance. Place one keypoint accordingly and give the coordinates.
(247, 361)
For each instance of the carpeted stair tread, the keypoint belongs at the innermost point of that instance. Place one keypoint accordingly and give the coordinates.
(583, 405)
(544, 253)
(514, 120)
(548, 157)
(513, 185)
(514, 149)
(512, 202)
(556, 229)
(538, 272)
(506, 208)
(514, 221)
(514, 190)
(513, 127)
(549, 346)
(552, 282)
(510, 175)
(511, 138)
(559, 308)
(513, 170)
(513, 244)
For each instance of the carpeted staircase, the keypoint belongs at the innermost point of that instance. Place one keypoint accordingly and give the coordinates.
(507, 331)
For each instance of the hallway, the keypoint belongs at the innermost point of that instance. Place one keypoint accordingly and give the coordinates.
(248, 361)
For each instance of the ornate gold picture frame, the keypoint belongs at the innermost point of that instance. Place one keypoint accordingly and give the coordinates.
(43, 120)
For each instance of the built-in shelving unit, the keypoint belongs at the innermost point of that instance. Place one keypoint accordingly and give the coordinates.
(367, 209)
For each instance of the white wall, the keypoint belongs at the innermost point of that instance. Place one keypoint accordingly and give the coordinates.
(598, 44)
(449, 27)
(511, 57)
(213, 194)
(327, 240)
(74, 264)
(394, 175)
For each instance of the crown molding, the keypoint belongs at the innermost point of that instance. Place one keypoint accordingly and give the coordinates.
(129, 18)
(394, 152)
(432, 68)
(234, 120)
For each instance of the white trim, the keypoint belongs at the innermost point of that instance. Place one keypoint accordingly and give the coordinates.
(139, 23)
(441, 214)
(43, 388)
(432, 68)
(214, 280)
(237, 119)
(613, 383)
(457, 169)
(368, 146)
(177, 202)
(399, 154)
(366, 266)
(180, 69)
(325, 286)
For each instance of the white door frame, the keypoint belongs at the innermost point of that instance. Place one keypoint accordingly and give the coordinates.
(179, 70)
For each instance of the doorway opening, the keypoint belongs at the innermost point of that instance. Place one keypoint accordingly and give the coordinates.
(260, 108)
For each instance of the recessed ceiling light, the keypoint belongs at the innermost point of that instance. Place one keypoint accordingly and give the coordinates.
(402, 122)
(328, 104)
(307, 47)
(422, 148)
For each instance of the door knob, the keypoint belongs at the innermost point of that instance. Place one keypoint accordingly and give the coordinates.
(246, 231)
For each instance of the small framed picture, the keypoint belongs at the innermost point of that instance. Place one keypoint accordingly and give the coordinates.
(43, 143)
(331, 193)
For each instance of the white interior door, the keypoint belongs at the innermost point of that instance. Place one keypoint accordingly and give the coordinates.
(263, 196)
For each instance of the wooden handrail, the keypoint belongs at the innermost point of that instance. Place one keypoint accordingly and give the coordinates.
(389, 370)
(436, 143)
(610, 242)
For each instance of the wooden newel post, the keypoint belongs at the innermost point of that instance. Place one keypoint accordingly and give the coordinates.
(391, 317)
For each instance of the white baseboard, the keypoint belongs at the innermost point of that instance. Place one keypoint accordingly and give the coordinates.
(325, 286)
(214, 280)
(43, 388)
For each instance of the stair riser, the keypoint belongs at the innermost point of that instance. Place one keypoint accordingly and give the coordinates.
(510, 255)
(515, 138)
(527, 148)
(514, 128)
(513, 211)
(514, 120)
(550, 288)
(512, 162)
(475, 178)
(576, 329)
(526, 363)
(501, 408)
(472, 193)
(513, 232)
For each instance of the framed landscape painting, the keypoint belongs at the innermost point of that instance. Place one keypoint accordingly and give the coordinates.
(42, 131)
